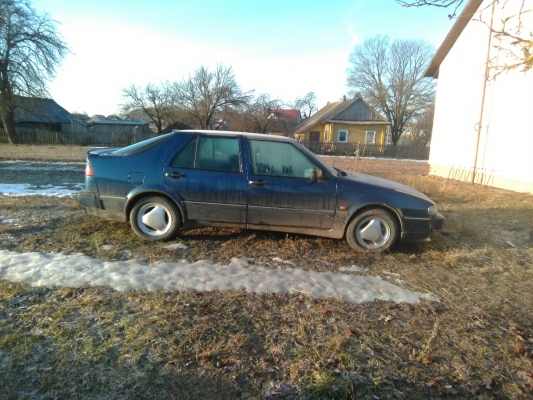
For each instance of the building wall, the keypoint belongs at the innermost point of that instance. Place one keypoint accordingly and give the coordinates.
(120, 128)
(304, 136)
(504, 152)
(359, 111)
(356, 133)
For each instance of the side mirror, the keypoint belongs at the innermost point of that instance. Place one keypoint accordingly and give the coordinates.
(316, 175)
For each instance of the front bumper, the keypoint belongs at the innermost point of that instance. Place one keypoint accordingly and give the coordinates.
(436, 223)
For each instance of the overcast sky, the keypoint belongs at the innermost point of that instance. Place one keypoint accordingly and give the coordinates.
(283, 48)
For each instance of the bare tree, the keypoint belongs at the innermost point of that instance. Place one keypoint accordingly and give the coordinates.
(254, 115)
(30, 51)
(260, 110)
(452, 4)
(514, 37)
(208, 93)
(389, 77)
(421, 126)
(154, 101)
(306, 104)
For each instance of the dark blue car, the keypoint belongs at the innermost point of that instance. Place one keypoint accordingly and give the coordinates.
(191, 179)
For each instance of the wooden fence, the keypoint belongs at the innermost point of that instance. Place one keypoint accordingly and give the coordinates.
(35, 136)
(368, 150)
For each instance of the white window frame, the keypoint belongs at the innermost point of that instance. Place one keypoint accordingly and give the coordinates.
(373, 137)
(388, 138)
(339, 136)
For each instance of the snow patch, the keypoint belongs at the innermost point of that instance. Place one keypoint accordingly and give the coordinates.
(77, 270)
(177, 246)
(329, 264)
(26, 189)
(282, 261)
(391, 273)
(353, 268)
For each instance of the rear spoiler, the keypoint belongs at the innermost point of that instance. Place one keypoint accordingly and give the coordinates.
(102, 151)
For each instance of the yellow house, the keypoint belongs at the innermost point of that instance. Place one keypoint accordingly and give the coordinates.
(345, 121)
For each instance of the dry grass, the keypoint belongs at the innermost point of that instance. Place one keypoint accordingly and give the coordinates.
(43, 153)
(477, 342)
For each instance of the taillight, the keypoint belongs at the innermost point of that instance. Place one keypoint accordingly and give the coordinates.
(89, 170)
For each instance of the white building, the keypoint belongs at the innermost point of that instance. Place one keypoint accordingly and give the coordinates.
(470, 96)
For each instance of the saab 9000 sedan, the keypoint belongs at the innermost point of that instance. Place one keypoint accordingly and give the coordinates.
(192, 179)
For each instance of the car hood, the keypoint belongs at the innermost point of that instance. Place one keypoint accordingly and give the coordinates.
(381, 183)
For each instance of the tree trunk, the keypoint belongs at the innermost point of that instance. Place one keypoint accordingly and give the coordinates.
(9, 125)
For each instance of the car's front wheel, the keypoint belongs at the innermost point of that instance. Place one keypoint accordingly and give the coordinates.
(373, 230)
(155, 218)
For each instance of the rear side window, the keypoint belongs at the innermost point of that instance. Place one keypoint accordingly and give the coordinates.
(142, 146)
(185, 158)
(210, 153)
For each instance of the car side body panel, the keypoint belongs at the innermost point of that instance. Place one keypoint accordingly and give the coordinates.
(244, 199)
(210, 195)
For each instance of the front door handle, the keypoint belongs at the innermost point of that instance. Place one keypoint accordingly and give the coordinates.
(174, 175)
(260, 182)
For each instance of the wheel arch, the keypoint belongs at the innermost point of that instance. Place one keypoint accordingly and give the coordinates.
(130, 203)
(395, 214)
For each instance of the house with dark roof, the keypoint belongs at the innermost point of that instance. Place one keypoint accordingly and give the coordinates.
(108, 126)
(82, 116)
(345, 121)
(479, 134)
(283, 121)
(180, 126)
(36, 113)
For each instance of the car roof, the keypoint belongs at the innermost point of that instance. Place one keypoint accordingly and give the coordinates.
(247, 134)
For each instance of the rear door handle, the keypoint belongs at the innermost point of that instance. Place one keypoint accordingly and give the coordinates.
(260, 182)
(174, 175)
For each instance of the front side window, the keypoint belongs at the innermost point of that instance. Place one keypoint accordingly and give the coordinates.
(343, 136)
(370, 137)
(210, 153)
(388, 138)
(279, 159)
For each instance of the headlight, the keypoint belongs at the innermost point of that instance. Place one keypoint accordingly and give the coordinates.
(432, 210)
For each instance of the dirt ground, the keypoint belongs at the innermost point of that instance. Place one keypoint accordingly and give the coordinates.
(43, 153)
(476, 342)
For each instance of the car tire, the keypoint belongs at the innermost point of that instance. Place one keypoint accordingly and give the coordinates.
(374, 231)
(155, 219)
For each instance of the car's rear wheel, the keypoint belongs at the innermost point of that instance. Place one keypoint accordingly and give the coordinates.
(155, 218)
(373, 230)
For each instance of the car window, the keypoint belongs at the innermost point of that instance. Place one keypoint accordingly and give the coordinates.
(279, 159)
(142, 146)
(185, 158)
(218, 154)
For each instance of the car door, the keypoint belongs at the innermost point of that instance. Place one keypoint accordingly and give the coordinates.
(207, 174)
(280, 189)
